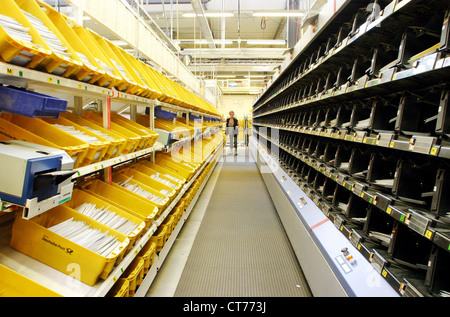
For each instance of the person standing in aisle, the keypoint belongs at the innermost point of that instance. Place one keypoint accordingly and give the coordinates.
(232, 130)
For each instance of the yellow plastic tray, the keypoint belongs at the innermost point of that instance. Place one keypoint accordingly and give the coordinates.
(127, 84)
(170, 223)
(141, 88)
(133, 139)
(80, 197)
(91, 72)
(112, 78)
(134, 274)
(149, 171)
(96, 151)
(13, 284)
(122, 198)
(119, 178)
(55, 63)
(148, 254)
(15, 51)
(149, 182)
(32, 238)
(167, 162)
(117, 145)
(163, 170)
(179, 132)
(148, 135)
(159, 237)
(153, 90)
(121, 288)
(39, 130)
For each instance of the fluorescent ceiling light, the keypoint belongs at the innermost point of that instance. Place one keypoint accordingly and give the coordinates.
(215, 42)
(266, 42)
(209, 14)
(279, 14)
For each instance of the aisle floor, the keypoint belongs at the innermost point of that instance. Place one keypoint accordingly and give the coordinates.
(233, 244)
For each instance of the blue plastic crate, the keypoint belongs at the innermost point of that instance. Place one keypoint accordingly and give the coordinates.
(30, 103)
(159, 113)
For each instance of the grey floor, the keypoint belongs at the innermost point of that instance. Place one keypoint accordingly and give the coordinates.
(233, 244)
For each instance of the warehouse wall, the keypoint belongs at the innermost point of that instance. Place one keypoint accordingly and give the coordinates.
(240, 104)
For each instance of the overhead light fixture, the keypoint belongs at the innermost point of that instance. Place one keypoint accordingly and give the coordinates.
(209, 14)
(279, 14)
(266, 42)
(215, 41)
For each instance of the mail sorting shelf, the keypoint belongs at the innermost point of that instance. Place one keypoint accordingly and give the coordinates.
(358, 120)
(360, 40)
(52, 44)
(105, 196)
(356, 217)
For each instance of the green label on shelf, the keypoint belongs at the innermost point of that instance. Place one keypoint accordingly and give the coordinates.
(63, 201)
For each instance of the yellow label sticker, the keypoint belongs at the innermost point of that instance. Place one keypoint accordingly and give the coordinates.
(391, 144)
(362, 195)
(10, 71)
(428, 234)
(384, 273)
(50, 80)
(434, 151)
(359, 247)
(389, 210)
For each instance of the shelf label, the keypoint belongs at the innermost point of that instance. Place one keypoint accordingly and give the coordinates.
(50, 80)
(434, 151)
(428, 234)
(10, 71)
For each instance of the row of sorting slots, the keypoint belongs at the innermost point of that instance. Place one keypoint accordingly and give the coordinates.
(104, 211)
(83, 138)
(406, 114)
(416, 180)
(375, 232)
(134, 275)
(35, 35)
(405, 49)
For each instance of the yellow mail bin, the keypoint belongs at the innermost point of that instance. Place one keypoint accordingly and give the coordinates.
(13, 284)
(40, 132)
(122, 198)
(32, 238)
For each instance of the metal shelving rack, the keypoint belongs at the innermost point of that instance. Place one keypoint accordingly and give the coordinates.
(358, 120)
(78, 92)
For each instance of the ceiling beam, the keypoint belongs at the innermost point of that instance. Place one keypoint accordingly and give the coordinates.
(201, 18)
(235, 52)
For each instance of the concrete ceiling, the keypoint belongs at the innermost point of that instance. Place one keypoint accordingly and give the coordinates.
(239, 58)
